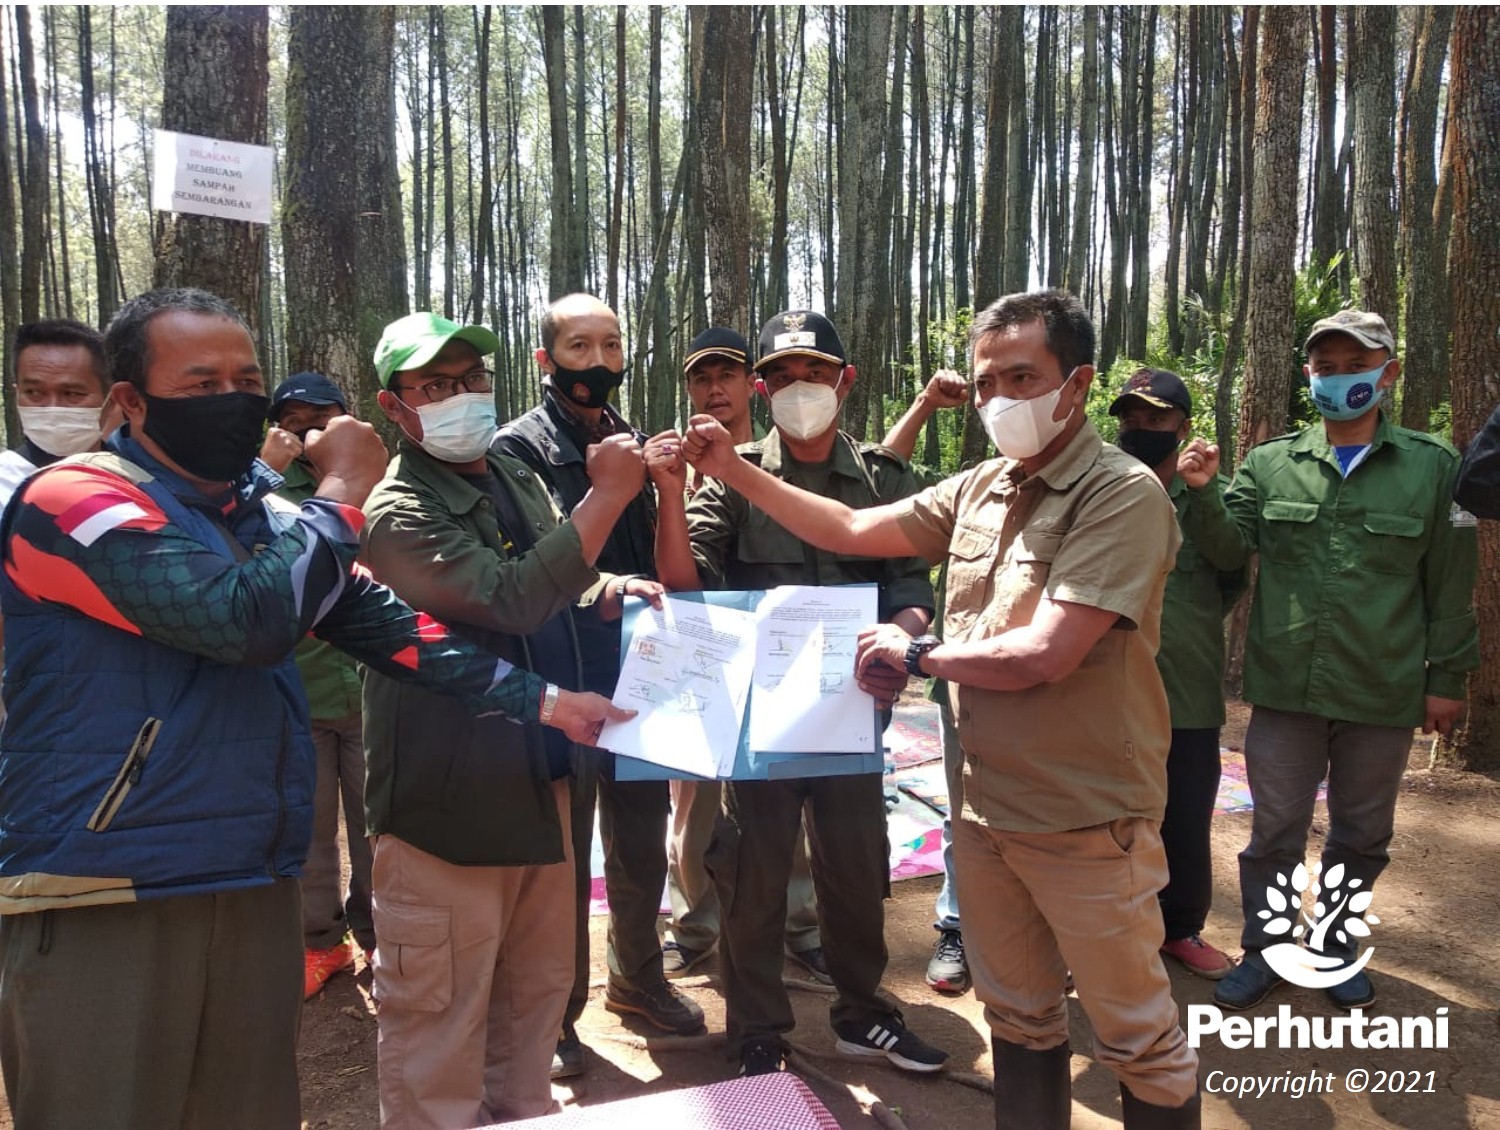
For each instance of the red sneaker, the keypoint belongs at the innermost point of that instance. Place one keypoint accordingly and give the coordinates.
(319, 965)
(1197, 956)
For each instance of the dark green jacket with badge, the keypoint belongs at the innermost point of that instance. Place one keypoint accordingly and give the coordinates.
(1364, 599)
(469, 790)
(737, 546)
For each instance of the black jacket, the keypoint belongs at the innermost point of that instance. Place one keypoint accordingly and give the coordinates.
(553, 445)
(1478, 486)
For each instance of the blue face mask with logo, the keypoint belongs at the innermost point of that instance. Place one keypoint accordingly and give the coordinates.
(1346, 396)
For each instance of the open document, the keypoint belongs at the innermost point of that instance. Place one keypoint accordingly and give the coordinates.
(806, 700)
(686, 669)
(746, 684)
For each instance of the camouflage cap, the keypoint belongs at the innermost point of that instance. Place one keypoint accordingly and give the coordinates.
(1368, 329)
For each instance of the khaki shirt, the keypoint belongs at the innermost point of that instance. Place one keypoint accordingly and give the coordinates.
(1093, 527)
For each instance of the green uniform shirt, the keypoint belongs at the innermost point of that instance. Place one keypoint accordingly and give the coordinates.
(1363, 603)
(1191, 660)
(328, 675)
(737, 546)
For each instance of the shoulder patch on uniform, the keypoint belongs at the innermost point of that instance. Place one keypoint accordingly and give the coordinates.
(880, 451)
(1435, 441)
(1285, 437)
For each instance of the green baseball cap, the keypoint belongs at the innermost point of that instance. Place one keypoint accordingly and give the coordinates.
(412, 341)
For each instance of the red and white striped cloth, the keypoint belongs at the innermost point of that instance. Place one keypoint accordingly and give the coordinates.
(763, 1102)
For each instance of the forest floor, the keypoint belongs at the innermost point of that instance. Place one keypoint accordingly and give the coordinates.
(1437, 943)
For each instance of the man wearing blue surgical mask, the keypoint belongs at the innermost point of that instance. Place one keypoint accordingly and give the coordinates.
(1362, 629)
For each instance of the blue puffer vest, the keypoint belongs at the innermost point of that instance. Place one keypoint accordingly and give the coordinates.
(130, 769)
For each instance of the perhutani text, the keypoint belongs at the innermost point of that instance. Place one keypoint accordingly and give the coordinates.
(1285, 1030)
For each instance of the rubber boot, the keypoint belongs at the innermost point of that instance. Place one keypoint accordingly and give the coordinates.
(1141, 1115)
(1033, 1089)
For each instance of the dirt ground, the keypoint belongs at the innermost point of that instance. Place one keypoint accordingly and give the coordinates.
(1436, 947)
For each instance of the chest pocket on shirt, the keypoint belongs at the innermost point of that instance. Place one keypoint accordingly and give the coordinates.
(1288, 534)
(763, 542)
(971, 566)
(1023, 578)
(1392, 543)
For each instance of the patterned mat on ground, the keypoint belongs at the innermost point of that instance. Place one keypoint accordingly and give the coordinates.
(781, 1100)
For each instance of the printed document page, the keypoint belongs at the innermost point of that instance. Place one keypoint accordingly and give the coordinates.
(806, 699)
(687, 672)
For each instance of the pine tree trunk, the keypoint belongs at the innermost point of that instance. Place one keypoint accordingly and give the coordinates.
(1424, 369)
(725, 84)
(583, 259)
(1329, 231)
(33, 172)
(612, 280)
(1373, 61)
(10, 267)
(989, 254)
(563, 276)
(342, 228)
(1269, 327)
(864, 232)
(1088, 128)
(1019, 165)
(1473, 156)
(484, 251)
(99, 190)
(215, 73)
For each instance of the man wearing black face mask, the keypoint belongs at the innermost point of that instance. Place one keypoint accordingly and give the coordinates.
(1155, 413)
(152, 835)
(583, 359)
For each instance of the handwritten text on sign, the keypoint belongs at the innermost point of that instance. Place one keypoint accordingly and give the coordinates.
(208, 177)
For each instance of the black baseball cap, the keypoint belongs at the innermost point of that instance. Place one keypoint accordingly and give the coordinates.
(310, 388)
(803, 332)
(717, 341)
(1156, 387)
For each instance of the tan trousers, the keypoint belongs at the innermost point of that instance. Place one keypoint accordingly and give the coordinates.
(695, 902)
(472, 972)
(1037, 905)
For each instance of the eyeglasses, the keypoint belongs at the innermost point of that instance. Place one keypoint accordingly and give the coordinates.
(477, 380)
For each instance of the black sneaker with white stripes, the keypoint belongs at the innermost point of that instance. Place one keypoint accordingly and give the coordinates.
(894, 1040)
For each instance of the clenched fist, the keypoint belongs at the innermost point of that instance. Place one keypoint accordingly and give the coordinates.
(615, 467)
(1198, 463)
(708, 447)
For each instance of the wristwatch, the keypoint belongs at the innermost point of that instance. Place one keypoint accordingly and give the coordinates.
(549, 704)
(620, 583)
(919, 646)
